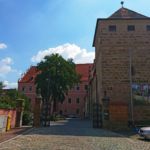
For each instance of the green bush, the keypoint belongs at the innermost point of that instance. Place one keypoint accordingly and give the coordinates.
(56, 117)
(6, 106)
(27, 118)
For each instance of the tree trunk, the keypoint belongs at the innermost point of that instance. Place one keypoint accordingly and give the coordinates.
(46, 113)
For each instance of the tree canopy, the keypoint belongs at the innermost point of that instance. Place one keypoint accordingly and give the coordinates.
(56, 77)
(8, 98)
(1, 87)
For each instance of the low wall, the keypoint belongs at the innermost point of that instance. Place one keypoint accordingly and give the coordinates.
(142, 113)
(12, 113)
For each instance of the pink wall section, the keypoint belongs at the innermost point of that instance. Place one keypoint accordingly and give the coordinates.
(30, 94)
(12, 113)
(70, 108)
(66, 108)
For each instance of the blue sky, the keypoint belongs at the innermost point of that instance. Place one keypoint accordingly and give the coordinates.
(30, 29)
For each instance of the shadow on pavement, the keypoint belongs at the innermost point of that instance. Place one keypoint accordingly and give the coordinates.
(73, 127)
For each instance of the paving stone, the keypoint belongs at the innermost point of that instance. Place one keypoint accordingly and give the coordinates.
(73, 135)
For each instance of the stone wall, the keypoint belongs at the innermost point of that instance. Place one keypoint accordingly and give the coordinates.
(141, 113)
(113, 53)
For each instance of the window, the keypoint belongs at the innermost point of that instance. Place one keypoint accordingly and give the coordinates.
(77, 100)
(112, 28)
(30, 88)
(131, 28)
(69, 100)
(148, 27)
(60, 112)
(30, 101)
(86, 87)
(77, 111)
(23, 88)
(78, 88)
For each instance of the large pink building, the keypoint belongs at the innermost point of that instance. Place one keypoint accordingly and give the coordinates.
(26, 84)
(74, 103)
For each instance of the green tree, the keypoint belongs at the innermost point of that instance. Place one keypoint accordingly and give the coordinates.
(1, 87)
(56, 77)
(8, 99)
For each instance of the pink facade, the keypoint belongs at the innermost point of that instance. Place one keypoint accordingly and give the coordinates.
(26, 85)
(29, 90)
(12, 113)
(75, 100)
(74, 103)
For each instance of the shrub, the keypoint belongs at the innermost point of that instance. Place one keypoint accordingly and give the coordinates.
(27, 118)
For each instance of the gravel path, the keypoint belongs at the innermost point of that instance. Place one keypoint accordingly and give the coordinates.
(73, 134)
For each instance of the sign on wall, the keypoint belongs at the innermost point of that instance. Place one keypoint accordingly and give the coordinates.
(141, 93)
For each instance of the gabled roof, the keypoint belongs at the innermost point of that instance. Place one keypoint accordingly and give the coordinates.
(30, 75)
(82, 69)
(124, 13)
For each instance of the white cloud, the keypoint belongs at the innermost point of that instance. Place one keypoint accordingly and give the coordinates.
(10, 85)
(67, 51)
(5, 65)
(3, 46)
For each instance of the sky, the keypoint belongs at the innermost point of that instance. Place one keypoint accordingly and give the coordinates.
(31, 29)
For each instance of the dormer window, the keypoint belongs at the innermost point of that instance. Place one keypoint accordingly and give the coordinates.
(112, 28)
(131, 28)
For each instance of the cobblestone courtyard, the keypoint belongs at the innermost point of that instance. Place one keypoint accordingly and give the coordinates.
(73, 134)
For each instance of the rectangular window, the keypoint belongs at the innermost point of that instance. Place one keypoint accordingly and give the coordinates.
(60, 112)
(30, 88)
(112, 28)
(78, 88)
(77, 111)
(23, 88)
(148, 27)
(69, 100)
(131, 28)
(86, 87)
(77, 100)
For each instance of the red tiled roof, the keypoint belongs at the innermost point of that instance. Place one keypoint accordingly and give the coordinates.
(29, 75)
(82, 69)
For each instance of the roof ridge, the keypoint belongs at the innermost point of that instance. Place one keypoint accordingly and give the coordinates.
(126, 13)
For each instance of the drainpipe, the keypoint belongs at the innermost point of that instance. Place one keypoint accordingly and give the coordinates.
(130, 78)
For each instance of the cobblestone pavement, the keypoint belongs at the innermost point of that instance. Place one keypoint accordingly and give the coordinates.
(73, 134)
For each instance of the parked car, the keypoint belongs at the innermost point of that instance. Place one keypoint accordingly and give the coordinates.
(144, 132)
